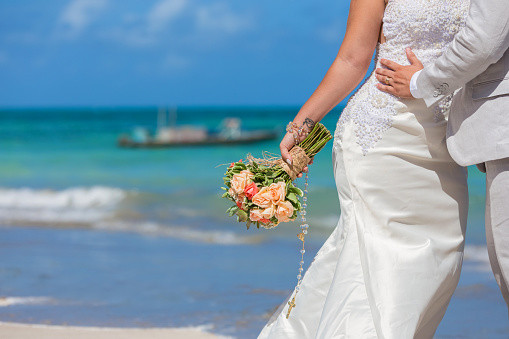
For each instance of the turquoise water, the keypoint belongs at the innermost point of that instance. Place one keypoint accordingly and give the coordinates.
(96, 235)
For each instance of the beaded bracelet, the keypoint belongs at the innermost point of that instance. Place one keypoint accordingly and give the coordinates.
(297, 132)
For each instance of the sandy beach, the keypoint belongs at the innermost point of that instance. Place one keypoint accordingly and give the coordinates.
(26, 331)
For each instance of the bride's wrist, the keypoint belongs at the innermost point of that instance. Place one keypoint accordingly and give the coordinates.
(300, 130)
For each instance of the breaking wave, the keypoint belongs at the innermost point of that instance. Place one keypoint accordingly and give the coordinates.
(72, 205)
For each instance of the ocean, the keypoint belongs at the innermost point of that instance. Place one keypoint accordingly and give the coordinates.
(96, 235)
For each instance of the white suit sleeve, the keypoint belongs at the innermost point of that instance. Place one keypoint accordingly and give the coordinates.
(413, 86)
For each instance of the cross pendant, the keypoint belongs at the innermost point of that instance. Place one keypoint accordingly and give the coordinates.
(292, 305)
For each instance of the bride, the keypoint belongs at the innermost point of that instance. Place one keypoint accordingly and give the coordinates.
(390, 267)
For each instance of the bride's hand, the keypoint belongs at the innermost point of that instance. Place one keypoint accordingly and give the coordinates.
(285, 146)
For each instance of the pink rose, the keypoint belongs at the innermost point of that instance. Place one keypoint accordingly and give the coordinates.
(255, 215)
(284, 211)
(262, 199)
(251, 190)
(265, 221)
(277, 191)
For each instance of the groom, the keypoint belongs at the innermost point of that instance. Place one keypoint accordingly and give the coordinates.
(478, 127)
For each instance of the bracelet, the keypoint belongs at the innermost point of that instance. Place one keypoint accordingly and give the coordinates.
(296, 131)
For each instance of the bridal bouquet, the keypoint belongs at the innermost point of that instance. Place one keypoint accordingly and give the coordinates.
(263, 190)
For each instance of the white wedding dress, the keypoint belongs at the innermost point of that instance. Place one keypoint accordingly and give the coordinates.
(390, 267)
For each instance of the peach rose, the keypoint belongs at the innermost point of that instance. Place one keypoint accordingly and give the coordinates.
(269, 212)
(284, 211)
(251, 190)
(262, 198)
(232, 193)
(240, 181)
(255, 215)
(277, 191)
(248, 173)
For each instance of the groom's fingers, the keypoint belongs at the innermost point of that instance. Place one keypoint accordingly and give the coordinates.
(383, 78)
(384, 72)
(390, 64)
(387, 89)
(412, 58)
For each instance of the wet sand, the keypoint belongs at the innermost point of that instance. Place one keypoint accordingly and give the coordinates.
(26, 331)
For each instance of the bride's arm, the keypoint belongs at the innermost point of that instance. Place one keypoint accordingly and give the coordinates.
(347, 70)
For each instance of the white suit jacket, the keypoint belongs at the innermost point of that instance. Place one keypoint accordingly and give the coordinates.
(478, 61)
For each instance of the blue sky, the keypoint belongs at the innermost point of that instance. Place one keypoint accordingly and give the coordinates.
(166, 52)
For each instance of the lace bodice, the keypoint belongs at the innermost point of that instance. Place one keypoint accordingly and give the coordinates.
(426, 26)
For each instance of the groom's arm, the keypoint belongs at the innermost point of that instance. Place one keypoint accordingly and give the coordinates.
(482, 42)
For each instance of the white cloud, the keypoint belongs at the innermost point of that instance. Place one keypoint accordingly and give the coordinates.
(219, 17)
(78, 15)
(145, 29)
(180, 22)
(163, 12)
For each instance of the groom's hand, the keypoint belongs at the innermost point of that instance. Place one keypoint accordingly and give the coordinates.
(396, 79)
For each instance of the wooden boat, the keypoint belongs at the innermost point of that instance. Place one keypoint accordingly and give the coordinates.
(229, 134)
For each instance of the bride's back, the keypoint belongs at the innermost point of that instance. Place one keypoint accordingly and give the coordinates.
(426, 26)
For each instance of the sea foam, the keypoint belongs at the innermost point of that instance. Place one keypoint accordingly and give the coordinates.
(476, 256)
(99, 208)
(78, 197)
(72, 205)
(9, 301)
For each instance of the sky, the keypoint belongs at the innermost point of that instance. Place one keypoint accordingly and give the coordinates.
(81, 53)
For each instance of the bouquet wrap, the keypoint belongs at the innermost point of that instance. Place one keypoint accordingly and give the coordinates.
(300, 160)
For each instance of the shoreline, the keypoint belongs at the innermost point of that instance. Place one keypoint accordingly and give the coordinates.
(10, 330)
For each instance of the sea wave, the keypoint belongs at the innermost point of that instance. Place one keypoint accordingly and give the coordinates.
(476, 257)
(75, 197)
(180, 232)
(72, 205)
(326, 222)
(9, 301)
(106, 209)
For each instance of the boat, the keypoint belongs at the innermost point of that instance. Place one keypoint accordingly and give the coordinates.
(229, 133)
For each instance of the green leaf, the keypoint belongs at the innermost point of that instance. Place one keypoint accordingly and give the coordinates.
(292, 197)
(296, 205)
(225, 194)
(295, 190)
(242, 215)
(233, 210)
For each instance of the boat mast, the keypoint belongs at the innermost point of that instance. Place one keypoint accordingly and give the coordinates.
(172, 117)
(161, 118)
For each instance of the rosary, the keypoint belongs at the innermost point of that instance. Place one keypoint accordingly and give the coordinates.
(304, 230)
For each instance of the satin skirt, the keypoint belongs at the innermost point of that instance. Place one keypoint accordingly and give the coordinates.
(392, 263)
